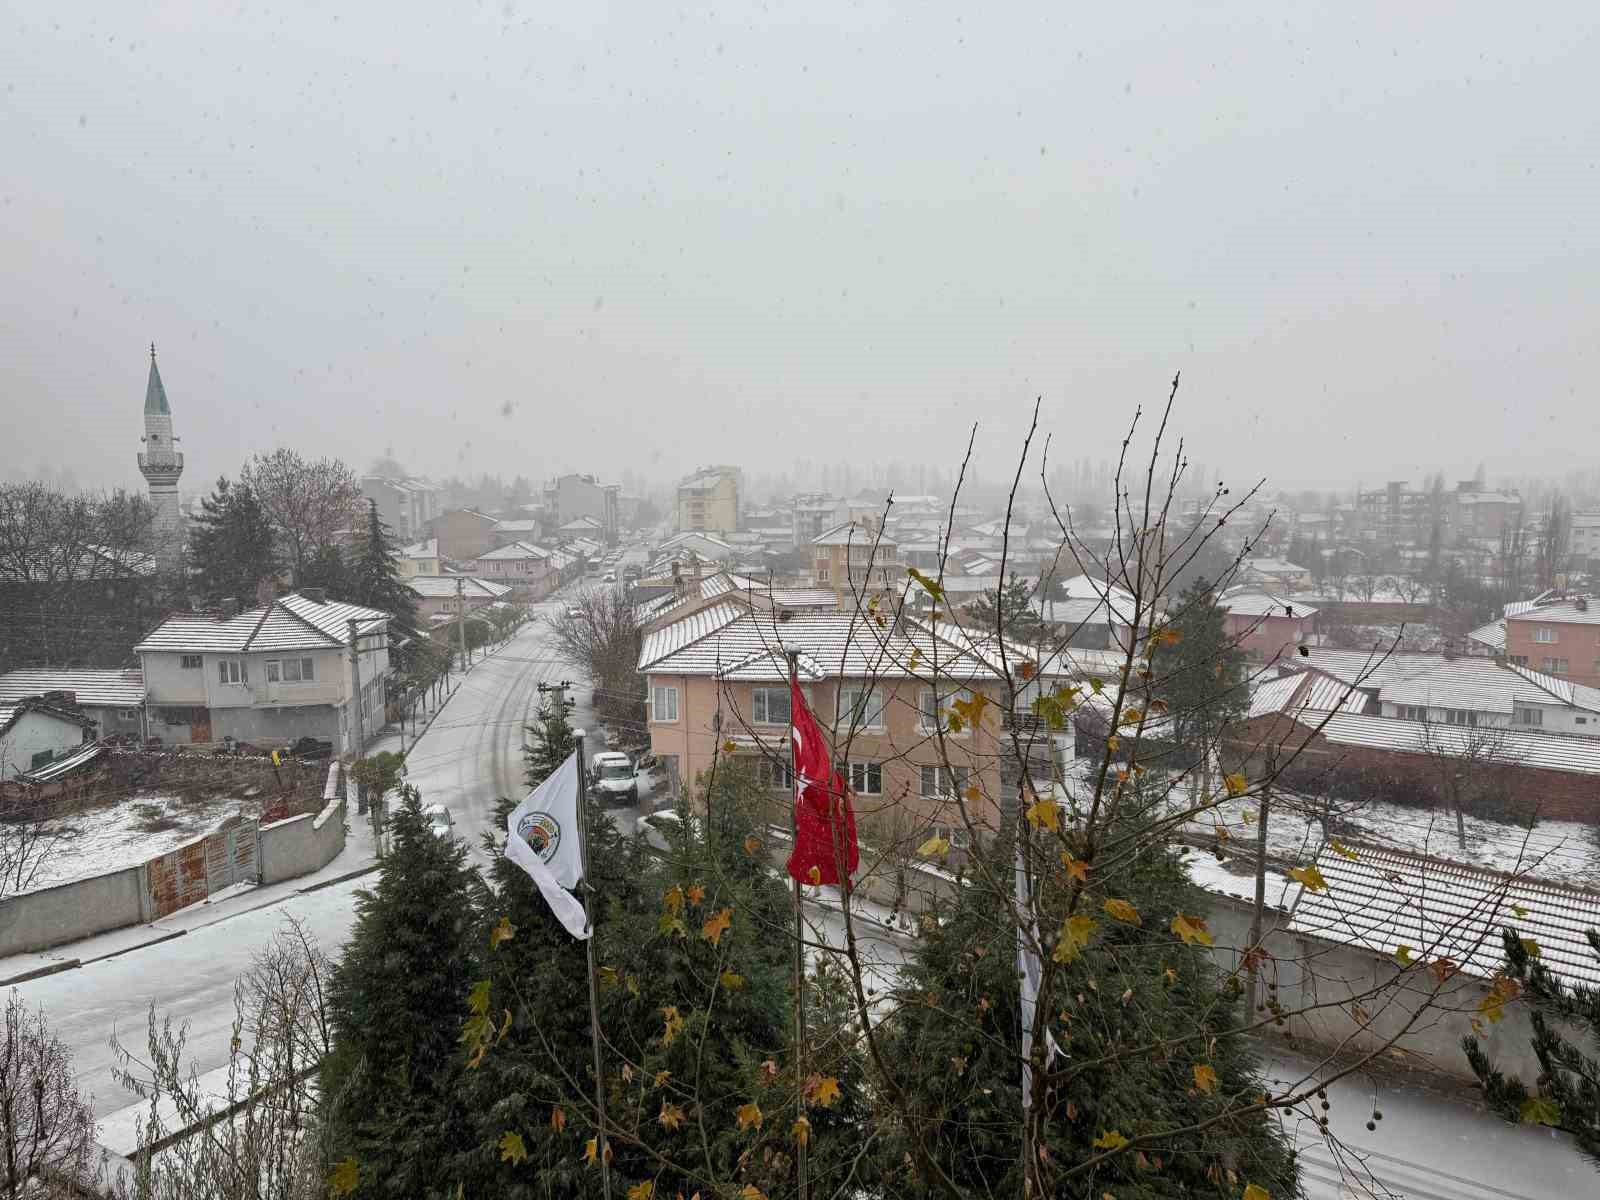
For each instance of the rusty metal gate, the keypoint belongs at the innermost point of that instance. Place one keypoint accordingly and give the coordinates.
(231, 854)
(195, 872)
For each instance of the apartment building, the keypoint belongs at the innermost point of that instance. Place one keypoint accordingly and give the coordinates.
(572, 496)
(406, 505)
(1556, 635)
(855, 560)
(708, 501)
(718, 678)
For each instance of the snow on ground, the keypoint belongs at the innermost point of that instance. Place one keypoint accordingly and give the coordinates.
(1560, 851)
(107, 838)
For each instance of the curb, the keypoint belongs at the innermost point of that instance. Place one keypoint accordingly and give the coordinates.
(165, 937)
(338, 879)
(41, 972)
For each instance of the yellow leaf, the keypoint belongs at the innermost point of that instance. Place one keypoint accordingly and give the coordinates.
(1171, 636)
(1043, 813)
(1113, 744)
(1076, 867)
(671, 1117)
(1531, 946)
(751, 1192)
(969, 711)
(696, 894)
(672, 1023)
(973, 795)
(1342, 850)
(934, 847)
(608, 976)
(1255, 1192)
(1121, 910)
(729, 746)
(1519, 910)
(1097, 686)
(511, 1148)
(1402, 955)
(642, 1191)
(478, 997)
(1540, 1110)
(752, 845)
(672, 900)
(1205, 1078)
(1109, 1140)
(815, 876)
(732, 980)
(827, 1092)
(558, 1119)
(503, 931)
(1237, 785)
(750, 1115)
(661, 1078)
(716, 925)
(1191, 929)
(344, 1177)
(1074, 937)
(1309, 877)
(1026, 670)
(1131, 716)
(801, 1131)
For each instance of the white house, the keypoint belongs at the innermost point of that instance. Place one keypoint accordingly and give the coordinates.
(420, 558)
(113, 700)
(269, 676)
(32, 733)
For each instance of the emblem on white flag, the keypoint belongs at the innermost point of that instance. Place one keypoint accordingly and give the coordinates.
(542, 839)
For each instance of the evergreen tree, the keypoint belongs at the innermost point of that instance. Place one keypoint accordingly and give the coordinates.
(1014, 602)
(1567, 1093)
(1203, 679)
(546, 747)
(232, 547)
(391, 1092)
(378, 583)
(327, 569)
(1131, 986)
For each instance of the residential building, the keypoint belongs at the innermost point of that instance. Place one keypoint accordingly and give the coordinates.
(113, 700)
(708, 500)
(704, 546)
(516, 529)
(1266, 628)
(269, 676)
(529, 570)
(718, 678)
(812, 515)
(1483, 515)
(446, 595)
(405, 505)
(161, 463)
(33, 733)
(1088, 613)
(419, 558)
(1274, 573)
(584, 527)
(1586, 540)
(463, 533)
(856, 560)
(572, 496)
(1558, 635)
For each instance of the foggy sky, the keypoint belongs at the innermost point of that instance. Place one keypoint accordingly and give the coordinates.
(527, 238)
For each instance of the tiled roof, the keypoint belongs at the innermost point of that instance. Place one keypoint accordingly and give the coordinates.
(60, 767)
(1306, 692)
(1559, 612)
(729, 640)
(12, 712)
(515, 551)
(1492, 635)
(443, 587)
(1384, 899)
(426, 549)
(93, 688)
(681, 538)
(291, 622)
(853, 533)
(518, 525)
(1547, 751)
(1431, 680)
(1259, 604)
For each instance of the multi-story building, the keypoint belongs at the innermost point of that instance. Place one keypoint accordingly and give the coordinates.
(447, 595)
(422, 558)
(718, 678)
(530, 571)
(1266, 628)
(708, 501)
(405, 505)
(1586, 540)
(268, 676)
(1557, 635)
(813, 515)
(462, 534)
(856, 560)
(572, 496)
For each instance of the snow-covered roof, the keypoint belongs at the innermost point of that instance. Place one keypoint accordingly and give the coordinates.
(854, 534)
(443, 587)
(423, 549)
(11, 713)
(1577, 610)
(1260, 604)
(1523, 748)
(1273, 566)
(515, 551)
(61, 767)
(93, 689)
(1309, 692)
(693, 534)
(292, 622)
(1492, 635)
(1384, 899)
(1431, 680)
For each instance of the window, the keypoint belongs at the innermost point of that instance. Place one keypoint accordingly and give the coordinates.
(272, 670)
(956, 835)
(866, 778)
(769, 706)
(190, 662)
(1413, 712)
(944, 783)
(861, 708)
(1521, 660)
(1581, 720)
(1460, 716)
(929, 716)
(1553, 666)
(775, 775)
(822, 574)
(127, 715)
(1530, 716)
(1544, 634)
(664, 704)
(232, 671)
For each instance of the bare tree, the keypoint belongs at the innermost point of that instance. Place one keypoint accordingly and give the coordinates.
(257, 1137)
(29, 833)
(1555, 544)
(602, 639)
(309, 503)
(1470, 765)
(46, 1126)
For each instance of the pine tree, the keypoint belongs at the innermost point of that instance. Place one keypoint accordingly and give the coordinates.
(1131, 986)
(1203, 678)
(232, 547)
(377, 572)
(1014, 602)
(548, 744)
(328, 570)
(398, 997)
(1567, 1093)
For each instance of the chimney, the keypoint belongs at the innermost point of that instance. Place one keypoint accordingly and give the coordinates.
(229, 607)
(315, 595)
(61, 699)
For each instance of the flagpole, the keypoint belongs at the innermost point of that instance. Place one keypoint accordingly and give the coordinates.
(594, 998)
(792, 653)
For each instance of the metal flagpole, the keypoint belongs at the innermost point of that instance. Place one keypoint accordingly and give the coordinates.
(793, 655)
(594, 998)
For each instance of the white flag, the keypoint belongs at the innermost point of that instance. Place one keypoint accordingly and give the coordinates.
(1031, 973)
(542, 839)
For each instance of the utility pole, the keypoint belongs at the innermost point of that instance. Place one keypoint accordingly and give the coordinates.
(792, 654)
(461, 619)
(604, 1150)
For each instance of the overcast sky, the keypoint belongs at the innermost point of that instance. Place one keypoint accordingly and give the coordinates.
(525, 238)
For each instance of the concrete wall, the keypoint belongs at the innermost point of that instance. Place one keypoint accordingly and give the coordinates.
(301, 844)
(71, 911)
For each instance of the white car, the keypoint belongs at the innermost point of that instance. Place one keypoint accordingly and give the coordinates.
(612, 777)
(574, 613)
(440, 821)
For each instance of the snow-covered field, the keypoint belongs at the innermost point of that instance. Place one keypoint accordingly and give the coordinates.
(107, 838)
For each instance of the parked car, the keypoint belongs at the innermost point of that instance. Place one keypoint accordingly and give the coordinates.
(612, 778)
(574, 612)
(440, 821)
(310, 747)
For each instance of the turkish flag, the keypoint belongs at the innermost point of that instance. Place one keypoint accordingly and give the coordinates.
(825, 828)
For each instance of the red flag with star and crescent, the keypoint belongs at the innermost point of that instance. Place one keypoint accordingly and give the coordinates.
(825, 827)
